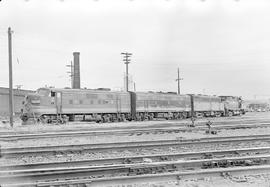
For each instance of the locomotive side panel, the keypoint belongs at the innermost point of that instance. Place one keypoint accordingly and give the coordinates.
(47, 104)
(217, 104)
(207, 105)
(201, 103)
(155, 102)
(87, 102)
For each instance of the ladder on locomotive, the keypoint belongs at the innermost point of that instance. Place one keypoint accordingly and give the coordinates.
(118, 105)
(58, 105)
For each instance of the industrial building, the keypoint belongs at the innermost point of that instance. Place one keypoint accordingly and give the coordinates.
(19, 95)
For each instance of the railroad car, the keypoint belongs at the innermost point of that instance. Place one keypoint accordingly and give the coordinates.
(49, 104)
(206, 106)
(162, 105)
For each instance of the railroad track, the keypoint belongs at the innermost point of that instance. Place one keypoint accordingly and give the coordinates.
(146, 124)
(145, 158)
(136, 170)
(13, 151)
(135, 130)
(177, 177)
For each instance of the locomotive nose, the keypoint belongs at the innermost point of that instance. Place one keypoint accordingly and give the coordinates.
(33, 99)
(28, 104)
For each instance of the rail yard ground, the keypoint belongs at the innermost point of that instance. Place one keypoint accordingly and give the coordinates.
(147, 153)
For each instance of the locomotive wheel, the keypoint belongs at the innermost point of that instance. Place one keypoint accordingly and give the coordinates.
(218, 115)
(62, 121)
(184, 116)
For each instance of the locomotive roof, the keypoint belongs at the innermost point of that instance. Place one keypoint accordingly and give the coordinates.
(78, 90)
(106, 90)
(229, 96)
(158, 94)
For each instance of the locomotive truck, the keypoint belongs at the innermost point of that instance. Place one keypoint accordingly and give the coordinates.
(61, 105)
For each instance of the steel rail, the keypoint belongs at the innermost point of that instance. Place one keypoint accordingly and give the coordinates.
(163, 177)
(160, 177)
(141, 158)
(141, 125)
(127, 131)
(126, 145)
(130, 169)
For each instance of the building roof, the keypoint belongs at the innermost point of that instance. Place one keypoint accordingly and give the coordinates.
(5, 91)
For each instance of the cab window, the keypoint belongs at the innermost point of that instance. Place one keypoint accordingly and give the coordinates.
(53, 94)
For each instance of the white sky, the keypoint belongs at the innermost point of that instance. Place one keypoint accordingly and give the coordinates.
(221, 46)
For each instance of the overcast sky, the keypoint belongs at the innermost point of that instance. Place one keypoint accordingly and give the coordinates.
(222, 47)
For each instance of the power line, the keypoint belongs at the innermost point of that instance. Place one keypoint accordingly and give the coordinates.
(71, 72)
(126, 61)
(178, 81)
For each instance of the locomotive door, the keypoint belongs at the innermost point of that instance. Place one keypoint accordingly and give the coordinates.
(118, 104)
(58, 103)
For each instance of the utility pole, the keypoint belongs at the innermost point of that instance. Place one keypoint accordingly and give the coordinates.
(126, 61)
(178, 80)
(11, 111)
(71, 73)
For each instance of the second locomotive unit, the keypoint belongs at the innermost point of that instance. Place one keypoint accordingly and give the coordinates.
(49, 104)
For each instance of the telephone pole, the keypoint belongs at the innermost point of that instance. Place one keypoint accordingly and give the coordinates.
(71, 73)
(11, 111)
(178, 80)
(126, 61)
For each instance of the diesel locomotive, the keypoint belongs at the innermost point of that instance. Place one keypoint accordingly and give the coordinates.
(102, 105)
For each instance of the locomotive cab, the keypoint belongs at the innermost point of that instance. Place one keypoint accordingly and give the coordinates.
(34, 103)
(45, 92)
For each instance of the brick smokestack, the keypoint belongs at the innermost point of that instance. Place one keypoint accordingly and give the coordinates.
(76, 73)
